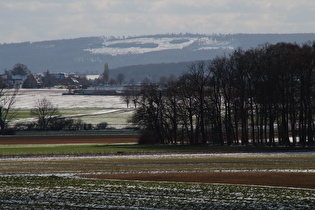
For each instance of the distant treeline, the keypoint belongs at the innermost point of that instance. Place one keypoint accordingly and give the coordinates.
(260, 96)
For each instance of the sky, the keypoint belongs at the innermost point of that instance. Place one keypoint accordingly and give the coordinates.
(40, 20)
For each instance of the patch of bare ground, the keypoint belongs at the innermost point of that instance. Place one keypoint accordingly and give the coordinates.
(68, 139)
(280, 179)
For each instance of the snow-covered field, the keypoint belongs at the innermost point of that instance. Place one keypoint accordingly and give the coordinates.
(53, 192)
(92, 109)
(27, 99)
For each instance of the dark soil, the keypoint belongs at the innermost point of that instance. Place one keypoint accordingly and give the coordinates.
(281, 179)
(68, 139)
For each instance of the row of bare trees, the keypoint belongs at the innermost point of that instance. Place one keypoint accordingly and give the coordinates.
(261, 96)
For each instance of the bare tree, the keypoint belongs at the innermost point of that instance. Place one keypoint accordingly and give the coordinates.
(45, 111)
(198, 77)
(163, 81)
(131, 94)
(106, 73)
(120, 79)
(150, 115)
(7, 100)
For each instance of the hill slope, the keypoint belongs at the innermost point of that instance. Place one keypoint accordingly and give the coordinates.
(88, 55)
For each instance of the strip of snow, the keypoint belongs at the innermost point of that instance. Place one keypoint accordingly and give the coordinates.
(140, 45)
(153, 156)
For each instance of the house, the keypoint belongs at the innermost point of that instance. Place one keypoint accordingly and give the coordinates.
(33, 81)
(15, 80)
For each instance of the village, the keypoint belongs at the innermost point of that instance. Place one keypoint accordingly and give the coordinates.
(21, 77)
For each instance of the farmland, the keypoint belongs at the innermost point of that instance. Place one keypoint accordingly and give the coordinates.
(157, 177)
(91, 109)
(111, 171)
(52, 192)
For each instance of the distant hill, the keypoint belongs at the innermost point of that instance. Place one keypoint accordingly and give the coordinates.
(151, 71)
(165, 52)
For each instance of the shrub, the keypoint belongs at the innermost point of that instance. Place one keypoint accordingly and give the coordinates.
(8, 131)
(101, 126)
(147, 137)
(21, 127)
(26, 126)
(57, 124)
(61, 124)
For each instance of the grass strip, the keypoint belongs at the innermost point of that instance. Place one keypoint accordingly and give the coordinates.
(65, 149)
(77, 132)
(26, 113)
(78, 149)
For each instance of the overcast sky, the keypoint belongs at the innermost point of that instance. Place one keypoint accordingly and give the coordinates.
(38, 20)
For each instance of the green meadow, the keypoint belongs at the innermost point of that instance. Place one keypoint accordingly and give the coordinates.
(112, 148)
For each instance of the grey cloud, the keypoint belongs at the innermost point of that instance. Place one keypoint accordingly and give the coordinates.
(302, 14)
(42, 20)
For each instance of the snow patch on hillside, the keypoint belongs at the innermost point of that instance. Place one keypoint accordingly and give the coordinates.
(141, 45)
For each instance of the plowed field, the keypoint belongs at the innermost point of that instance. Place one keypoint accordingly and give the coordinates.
(283, 179)
(280, 179)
